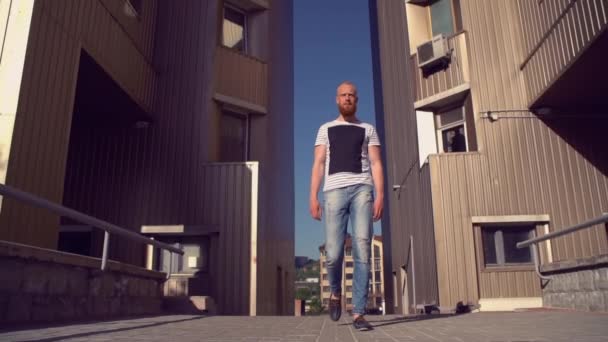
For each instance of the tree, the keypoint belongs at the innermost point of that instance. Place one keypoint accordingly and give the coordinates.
(315, 306)
(303, 293)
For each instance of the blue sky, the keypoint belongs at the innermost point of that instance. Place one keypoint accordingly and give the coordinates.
(331, 44)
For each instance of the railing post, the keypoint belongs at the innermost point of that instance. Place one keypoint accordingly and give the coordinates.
(170, 264)
(536, 257)
(413, 272)
(104, 256)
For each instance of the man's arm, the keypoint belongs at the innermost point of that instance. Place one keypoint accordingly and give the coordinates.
(375, 160)
(318, 168)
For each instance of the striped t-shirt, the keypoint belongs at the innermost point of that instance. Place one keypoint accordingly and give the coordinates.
(346, 159)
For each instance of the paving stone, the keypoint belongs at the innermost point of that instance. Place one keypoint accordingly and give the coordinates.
(537, 326)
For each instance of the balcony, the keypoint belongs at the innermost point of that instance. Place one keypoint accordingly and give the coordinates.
(241, 78)
(446, 85)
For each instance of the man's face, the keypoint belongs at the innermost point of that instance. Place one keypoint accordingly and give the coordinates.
(346, 99)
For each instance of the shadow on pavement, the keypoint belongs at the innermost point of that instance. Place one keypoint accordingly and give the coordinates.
(90, 333)
(406, 319)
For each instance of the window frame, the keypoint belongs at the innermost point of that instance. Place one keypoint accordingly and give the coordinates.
(232, 7)
(477, 226)
(239, 114)
(439, 129)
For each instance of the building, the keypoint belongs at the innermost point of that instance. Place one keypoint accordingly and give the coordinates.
(169, 118)
(376, 284)
(493, 115)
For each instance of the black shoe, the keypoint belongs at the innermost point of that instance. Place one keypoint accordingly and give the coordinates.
(361, 324)
(335, 308)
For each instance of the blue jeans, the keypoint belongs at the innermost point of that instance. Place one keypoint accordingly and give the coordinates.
(356, 202)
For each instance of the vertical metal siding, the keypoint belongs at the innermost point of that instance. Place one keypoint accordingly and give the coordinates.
(241, 76)
(409, 208)
(553, 43)
(42, 127)
(524, 168)
(454, 75)
(275, 153)
(45, 119)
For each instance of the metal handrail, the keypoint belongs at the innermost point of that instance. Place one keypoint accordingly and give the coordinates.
(34, 200)
(587, 224)
(532, 242)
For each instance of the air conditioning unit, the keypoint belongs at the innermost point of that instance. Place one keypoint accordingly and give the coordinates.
(433, 52)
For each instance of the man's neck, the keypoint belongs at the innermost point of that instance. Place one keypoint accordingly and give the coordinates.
(352, 118)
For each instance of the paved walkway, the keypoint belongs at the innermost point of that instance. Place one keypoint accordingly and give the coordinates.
(494, 327)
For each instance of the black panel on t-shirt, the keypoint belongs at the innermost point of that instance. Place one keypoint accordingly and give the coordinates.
(345, 143)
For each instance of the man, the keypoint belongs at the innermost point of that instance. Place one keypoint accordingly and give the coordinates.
(346, 150)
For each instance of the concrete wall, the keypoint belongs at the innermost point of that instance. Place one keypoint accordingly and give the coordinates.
(42, 285)
(580, 284)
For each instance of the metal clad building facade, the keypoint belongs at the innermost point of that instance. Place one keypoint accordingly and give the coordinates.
(122, 115)
(509, 66)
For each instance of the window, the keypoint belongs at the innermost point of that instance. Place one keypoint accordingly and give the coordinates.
(324, 276)
(234, 137)
(441, 18)
(377, 264)
(234, 29)
(349, 264)
(324, 263)
(349, 276)
(325, 288)
(377, 251)
(451, 131)
(349, 300)
(377, 276)
(348, 252)
(349, 289)
(325, 301)
(378, 288)
(499, 245)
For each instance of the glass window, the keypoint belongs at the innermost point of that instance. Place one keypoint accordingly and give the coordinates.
(349, 289)
(325, 276)
(454, 139)
(348, 252)
(233, 137)
(349, 300)
(377, 251)
(349, 264)
(234, 29)
(377, 276)
(451, 130)
(325, 288)
(500, 245)
(441, 18)
(349, 276)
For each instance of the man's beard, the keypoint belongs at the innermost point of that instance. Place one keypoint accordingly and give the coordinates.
(348, 111)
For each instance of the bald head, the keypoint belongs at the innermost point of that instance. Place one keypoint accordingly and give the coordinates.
(346, 99)
(347, 83)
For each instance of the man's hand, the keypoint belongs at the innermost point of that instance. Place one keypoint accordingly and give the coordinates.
(315, 209)
(378, 207)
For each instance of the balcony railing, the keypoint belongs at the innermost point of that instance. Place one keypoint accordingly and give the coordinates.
(240, 76)
(456, 73)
